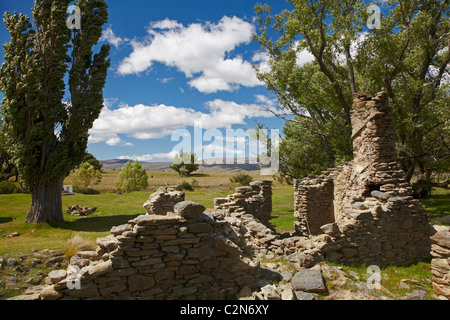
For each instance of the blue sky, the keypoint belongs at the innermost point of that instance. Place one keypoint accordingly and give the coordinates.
(172, 63)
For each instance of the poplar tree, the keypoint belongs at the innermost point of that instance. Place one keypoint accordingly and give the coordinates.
(52, 83)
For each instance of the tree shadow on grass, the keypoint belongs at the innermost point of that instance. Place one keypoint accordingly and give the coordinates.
(95, 224)
(437, 205)
(198, 175)
(5, 220)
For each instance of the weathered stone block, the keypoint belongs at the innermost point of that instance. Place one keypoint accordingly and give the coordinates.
(308, 280)
(189, 209)
(140, 283)
(200, 227)
(101, 269)
(49, 293)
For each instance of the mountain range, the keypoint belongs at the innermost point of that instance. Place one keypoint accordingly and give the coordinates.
(118, 164)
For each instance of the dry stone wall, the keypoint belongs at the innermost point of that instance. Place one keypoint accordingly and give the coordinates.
(440, 265)
(313, 204)
(182, 255)
(364, 209)
(260, 239)
(255, 199)
(164, 199)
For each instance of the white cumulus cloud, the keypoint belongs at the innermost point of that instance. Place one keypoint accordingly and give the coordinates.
(159, 121)
(202, 51)
(108, 35)
(149, 157)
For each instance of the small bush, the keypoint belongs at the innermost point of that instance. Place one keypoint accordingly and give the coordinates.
(189, 186)
(7, 187)
(132, 177)
(86, 177)
(242, 179)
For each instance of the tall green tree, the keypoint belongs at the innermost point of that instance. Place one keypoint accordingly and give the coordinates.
(407, 56)
(7, 167)
(46, 122)
(93, 161)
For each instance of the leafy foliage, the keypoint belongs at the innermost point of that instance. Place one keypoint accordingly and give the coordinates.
(89, 158)
(45, 135)
(408, 57)
(7, 187)
(242, 179)
(189, 186)
(132, 177)
(7, 167)
(86, 177)
(185, 164)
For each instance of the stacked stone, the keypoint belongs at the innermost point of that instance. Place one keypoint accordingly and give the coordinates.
(440, 265)
(80, 210)
(256, 239)
(182, 255)
(373, 131)
(164, 199)
(380, 230)
(374, 166)
(372, 216)
(313, 204)
(260, 204)
(255, 199)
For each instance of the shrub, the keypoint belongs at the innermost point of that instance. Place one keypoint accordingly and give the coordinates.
(189, 186)
(7, 187)
(132, 177)
(242, 179)
(86, 177)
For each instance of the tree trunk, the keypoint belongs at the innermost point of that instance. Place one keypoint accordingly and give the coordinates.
(46, 204)
(410, 172)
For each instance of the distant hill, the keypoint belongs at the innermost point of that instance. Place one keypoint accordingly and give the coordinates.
(118, 164)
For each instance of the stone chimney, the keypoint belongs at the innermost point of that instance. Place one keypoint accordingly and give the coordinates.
(373, 130)
(374, 166)
(364, 207)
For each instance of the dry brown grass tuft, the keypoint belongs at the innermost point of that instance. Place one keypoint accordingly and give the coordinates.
(77, 244)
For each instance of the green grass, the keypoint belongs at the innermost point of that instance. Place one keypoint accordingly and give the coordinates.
(115, 209)
(439, 203)
(112, 210)
(283, 208)
(391, 277)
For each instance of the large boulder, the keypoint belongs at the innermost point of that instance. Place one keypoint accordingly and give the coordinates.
(309, 280)
(189, 209)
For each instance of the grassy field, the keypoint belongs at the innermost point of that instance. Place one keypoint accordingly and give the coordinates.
(115, 209)
(439, 203)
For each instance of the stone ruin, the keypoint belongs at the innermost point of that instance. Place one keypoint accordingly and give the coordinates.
(360, 212)
(184, 254)
(164, 200)
(364, 210)
(256, 199)
(440, 265)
